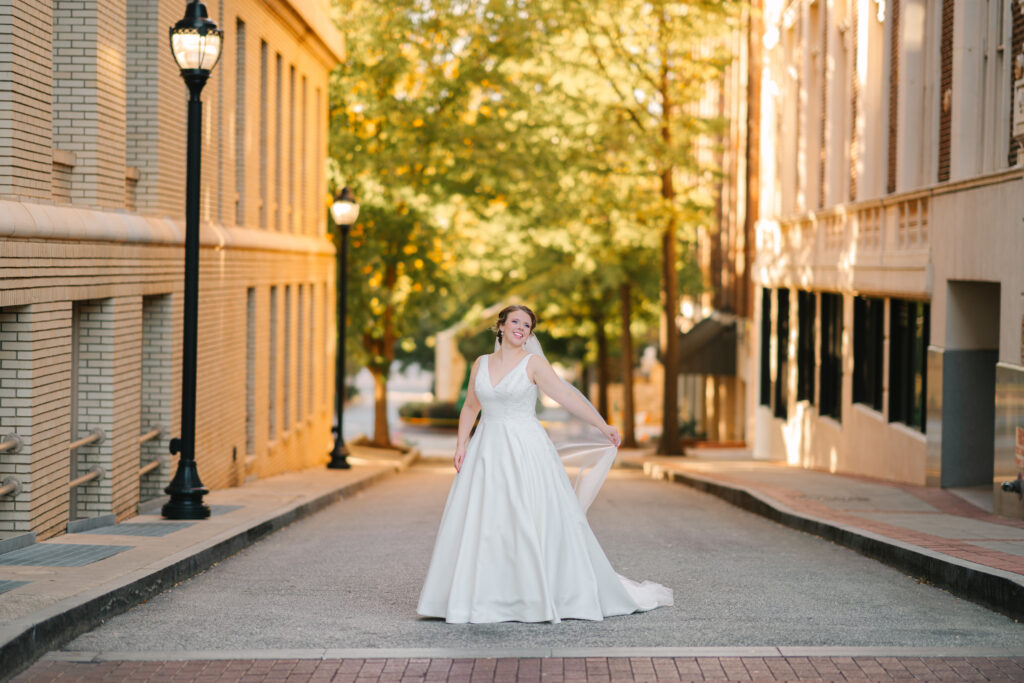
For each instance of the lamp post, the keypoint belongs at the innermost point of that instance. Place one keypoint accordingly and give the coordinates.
(196, 44)
(344, 211)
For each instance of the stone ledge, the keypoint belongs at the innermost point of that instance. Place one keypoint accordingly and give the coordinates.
(27, 220)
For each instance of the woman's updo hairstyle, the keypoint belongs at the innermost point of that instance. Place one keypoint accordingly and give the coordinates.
(508, 310)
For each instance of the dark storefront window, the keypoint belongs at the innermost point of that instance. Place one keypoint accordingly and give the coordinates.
(781, 393)
(831, 380)
(805, 346)
(766, 346)
(908, 348)
(868, 338)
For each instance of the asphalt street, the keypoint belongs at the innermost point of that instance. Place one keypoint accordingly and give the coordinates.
(349, 577)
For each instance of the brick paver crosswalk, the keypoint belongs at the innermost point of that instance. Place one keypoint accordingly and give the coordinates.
(541, 670)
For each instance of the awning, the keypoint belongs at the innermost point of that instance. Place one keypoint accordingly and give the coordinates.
(709, 348)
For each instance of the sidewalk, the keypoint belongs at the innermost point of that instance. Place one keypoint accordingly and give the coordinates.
(57, 589)
(928, 533)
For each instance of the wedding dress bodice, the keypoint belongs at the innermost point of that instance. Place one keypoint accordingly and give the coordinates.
(514, 397)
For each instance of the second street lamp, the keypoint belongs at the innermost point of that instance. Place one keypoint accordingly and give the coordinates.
(196, 44)
(344, 211)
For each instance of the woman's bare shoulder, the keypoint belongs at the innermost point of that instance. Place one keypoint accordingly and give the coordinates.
(537, 363)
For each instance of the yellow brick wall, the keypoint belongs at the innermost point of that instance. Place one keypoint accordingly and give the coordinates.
(67, 247)
(116, 284)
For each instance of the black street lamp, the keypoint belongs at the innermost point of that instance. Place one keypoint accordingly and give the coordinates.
(344, 211)
(196, 44)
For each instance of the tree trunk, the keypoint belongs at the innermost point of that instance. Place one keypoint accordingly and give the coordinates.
(602, 365)
(381, 435)
(383, 347)
(628, 428)
(669, 444)
(754, 31)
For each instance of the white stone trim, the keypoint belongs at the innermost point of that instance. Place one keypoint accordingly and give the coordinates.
(28, 220)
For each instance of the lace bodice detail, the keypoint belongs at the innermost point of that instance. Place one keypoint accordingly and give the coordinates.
(512, 398)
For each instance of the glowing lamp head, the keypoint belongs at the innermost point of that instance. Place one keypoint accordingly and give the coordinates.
(196, 41)
(345, 209)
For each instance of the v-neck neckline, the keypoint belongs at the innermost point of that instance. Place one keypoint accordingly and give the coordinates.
(514, 367)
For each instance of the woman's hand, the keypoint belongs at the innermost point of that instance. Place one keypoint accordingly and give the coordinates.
(613, 435)
(460, 455)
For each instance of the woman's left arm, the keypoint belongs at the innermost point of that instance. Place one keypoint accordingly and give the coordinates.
(544, 376)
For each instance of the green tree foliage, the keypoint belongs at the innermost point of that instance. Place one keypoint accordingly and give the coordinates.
(549, 150)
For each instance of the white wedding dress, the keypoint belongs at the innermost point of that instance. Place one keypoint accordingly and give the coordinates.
(514, 543)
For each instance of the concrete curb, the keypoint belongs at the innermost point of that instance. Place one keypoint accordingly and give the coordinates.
(996, 589)
(24, 640)
(525, 652)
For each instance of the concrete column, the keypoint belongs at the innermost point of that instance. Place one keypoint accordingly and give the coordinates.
(89, 98)
(968, 101)
(35, 404)
(26, 99)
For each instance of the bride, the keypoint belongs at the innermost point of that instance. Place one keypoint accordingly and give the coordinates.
(514, 543)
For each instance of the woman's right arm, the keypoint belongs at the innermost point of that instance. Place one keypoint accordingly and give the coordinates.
(467, 418)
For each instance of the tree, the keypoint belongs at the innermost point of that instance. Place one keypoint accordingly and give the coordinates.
(655, 60)
(429, 127)
(528, 147)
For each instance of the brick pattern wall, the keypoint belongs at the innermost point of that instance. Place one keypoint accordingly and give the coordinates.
(35, 384)
(945, 85)
(131, 292)
(125, 388)
(854, 98)
(26, 92)
(92, 386)
(1016, 154)
(89, 98)
(61, 179)
(142, 99)
(893, 15)
(155, 386)
(96, 278)
(15, 411)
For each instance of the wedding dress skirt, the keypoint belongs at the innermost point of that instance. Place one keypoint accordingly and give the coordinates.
(514, 543)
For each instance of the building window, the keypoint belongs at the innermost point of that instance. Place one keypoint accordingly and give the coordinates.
(300, 345)
(868, 337)
(805, 346)
(240, 118)
(264, 133)
(279, 131)
(311, 363)
(291, 211)
(766, 346)
(250, 371)
(908, 348)
(272, 369)
(831, 378)
(781, 392)
(286, 384)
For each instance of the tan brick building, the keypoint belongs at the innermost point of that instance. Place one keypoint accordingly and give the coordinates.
(889, 315)
(92, 181)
